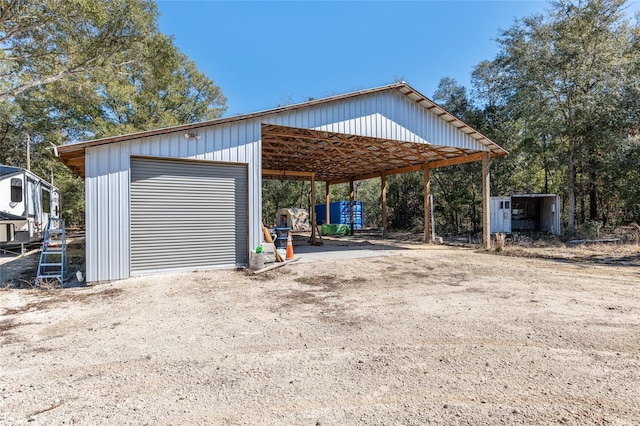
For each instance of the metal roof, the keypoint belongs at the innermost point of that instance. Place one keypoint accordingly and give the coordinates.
(332, 156)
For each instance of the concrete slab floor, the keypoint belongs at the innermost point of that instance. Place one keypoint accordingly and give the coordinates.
(346, 247)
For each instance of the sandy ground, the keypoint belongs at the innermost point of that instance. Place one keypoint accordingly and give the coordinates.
(427, 335)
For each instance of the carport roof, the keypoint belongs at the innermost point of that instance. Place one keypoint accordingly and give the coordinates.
(296, 153)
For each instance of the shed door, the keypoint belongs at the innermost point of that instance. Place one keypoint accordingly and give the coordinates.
(187, 215)
(500, 214)
(556, 210)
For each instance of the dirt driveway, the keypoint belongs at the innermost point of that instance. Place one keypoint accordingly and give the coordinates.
(435, 335)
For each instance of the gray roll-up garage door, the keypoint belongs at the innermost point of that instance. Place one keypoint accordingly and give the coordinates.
(187, 215)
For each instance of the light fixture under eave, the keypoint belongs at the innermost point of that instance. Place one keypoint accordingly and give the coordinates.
(192, 135)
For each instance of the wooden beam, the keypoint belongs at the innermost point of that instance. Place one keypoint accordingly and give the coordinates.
(327, 201)
(285, 173)
(286, 150)
(272, 131)
(427, 203)
(383, 201)
(407, 169)
(351, 199)
(331, 155)
(345, 146)
(458, 160)
(75, 161)
(486, 194)
(312, 213)
(461, 158)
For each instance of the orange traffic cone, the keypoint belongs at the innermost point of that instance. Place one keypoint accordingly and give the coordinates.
(289, 247)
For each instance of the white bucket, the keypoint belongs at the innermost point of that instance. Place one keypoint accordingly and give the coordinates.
(256, 261)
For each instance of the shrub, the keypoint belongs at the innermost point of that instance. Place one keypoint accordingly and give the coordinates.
(501, 241)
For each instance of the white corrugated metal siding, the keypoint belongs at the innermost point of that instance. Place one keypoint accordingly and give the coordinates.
(550, 214)
(387, 115)
(187, 215)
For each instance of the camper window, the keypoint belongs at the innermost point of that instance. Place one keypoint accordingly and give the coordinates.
(46, 201)
(16, 190)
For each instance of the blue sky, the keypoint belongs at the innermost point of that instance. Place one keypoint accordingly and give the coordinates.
(264, 54)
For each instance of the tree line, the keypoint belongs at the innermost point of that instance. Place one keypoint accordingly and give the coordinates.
(86, 69)
(562, 96)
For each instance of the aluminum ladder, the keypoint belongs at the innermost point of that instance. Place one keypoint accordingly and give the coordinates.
(53, 257)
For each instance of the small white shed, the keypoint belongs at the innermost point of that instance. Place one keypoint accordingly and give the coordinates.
(526, 213)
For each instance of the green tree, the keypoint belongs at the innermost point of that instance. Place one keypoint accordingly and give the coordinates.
(85, 69)
(531, 164)
(566, 75)
(278, 194)
(163, 88)
(405, 195)
(456, 189)
(54, 40)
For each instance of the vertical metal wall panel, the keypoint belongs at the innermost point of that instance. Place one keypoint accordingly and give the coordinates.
(91, 209)
(387, 115)
(107, 218)
(187, 215)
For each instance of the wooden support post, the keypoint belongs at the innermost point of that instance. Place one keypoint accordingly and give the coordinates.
(383, 201)
(328, 204)
(285, 173)
(427, 203)
(312, 207)
(486, 193)
(351, 199)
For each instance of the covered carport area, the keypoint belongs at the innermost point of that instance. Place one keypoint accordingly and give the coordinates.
(295, 153)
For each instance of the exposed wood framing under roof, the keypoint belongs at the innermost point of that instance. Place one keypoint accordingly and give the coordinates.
(337, 157)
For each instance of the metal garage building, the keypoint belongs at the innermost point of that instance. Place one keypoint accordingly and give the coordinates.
(189, 197)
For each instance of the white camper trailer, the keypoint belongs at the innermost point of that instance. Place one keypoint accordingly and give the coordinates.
(526, 213)
(26, 203)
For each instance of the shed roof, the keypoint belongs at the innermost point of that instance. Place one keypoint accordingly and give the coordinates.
(331, 156)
